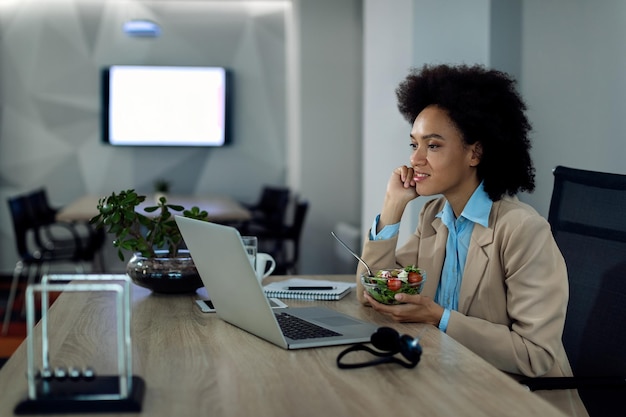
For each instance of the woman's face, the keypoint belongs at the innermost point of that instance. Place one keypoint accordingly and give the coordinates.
(442, 162)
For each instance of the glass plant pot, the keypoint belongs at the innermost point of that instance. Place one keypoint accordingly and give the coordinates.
(164, 274)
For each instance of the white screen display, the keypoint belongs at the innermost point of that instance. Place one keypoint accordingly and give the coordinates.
(166, 106)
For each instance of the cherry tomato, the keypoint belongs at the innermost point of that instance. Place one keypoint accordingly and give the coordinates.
(414, 277)
(394, 284)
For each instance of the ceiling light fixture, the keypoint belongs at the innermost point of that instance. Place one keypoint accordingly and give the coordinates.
(142, 28)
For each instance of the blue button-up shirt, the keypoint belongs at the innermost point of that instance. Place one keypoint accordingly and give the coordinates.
(476, 211)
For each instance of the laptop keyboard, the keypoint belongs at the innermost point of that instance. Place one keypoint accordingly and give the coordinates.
(298, 329)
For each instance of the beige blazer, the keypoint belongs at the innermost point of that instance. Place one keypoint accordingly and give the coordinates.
(514, 292)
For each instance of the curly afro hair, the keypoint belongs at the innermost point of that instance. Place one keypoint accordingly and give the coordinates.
(486, 108)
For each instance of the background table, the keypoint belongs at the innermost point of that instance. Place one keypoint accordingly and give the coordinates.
(221, 208)
(194, 364)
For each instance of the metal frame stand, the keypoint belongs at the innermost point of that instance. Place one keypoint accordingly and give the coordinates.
(80, 390)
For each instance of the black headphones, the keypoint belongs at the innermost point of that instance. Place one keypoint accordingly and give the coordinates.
(389, 342)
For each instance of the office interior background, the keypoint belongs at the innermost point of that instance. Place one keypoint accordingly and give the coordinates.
(314, 105)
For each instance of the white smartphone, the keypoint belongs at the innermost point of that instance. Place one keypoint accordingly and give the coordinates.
(206, 306)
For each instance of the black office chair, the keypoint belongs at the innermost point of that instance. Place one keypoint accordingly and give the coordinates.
(283, 243)
(587, 215)
(269, 211)
(48, 233)
(33, 256)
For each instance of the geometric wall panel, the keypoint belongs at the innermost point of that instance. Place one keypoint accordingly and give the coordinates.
(51, 55)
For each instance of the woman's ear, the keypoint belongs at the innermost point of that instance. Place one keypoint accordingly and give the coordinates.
(477, 154)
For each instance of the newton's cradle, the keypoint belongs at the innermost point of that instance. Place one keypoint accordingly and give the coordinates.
(76, 388)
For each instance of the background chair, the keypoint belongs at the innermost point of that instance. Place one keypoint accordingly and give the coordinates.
(35, 257)
(283, 242)
(587, 215)
(49, 236)
(270, 210)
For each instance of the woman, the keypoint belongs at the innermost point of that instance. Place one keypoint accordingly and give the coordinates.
(496, 280)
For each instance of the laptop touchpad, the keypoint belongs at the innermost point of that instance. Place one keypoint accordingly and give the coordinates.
(337, 321)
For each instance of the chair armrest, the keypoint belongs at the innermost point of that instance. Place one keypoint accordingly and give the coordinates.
(52, 241)
(574, 382)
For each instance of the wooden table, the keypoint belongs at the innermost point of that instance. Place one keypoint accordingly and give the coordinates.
(195, 364)
(221, 209)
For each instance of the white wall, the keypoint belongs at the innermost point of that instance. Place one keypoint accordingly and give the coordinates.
(574, 82)
(387, 46)
(414, 33)
(329, 166)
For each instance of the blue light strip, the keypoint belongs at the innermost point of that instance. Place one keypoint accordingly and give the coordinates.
(142, 28)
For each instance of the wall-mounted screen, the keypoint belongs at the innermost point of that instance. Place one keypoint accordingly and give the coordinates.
(166, 105)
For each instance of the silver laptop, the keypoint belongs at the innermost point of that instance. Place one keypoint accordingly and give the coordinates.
(238, 297)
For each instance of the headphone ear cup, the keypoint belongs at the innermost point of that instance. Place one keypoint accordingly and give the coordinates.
(388, 342)
(410, 349)
(386, 339)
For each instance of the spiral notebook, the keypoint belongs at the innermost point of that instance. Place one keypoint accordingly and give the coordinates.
(308, 289)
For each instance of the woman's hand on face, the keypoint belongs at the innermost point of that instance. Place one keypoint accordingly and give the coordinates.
(401, 185)
(400, 191)
(416, 309)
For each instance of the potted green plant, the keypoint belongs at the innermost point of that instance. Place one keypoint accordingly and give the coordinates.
(159, 260)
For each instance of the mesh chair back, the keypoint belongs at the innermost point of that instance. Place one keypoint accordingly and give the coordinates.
(295, 231)
(272, 205)
(44, 213)
(587, 215)
(22, 224)
(283, 242)
(589, 203)
(83, 238)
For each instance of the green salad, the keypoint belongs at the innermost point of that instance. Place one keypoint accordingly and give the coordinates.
(388, 282)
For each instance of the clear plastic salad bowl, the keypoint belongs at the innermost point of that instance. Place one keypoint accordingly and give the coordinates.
(388, 282)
